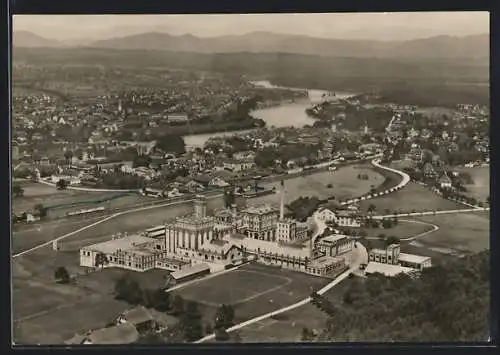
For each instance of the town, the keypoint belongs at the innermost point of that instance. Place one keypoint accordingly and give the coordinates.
(167, 204)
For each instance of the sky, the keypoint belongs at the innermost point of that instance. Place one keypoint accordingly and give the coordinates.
(379, 26)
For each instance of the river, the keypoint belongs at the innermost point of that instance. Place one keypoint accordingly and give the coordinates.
(285, 115)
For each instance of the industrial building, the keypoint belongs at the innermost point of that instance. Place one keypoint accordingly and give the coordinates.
(217, 242)
(392, 256)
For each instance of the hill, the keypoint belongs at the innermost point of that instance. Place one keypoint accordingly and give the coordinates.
(422, 81)
(31, 40)
(476, 46)
(450, 302)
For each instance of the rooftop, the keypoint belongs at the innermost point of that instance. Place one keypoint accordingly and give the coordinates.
(333, 238)
(189, 271)
(411, 258)
(260, 209)
(386, 269)
(129, 243)
(137, 315)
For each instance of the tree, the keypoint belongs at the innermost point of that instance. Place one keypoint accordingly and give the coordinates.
(177, 306)
(101, 260)
(61, 184)
(387, 223)
(221, 334)
(307, 335)
(224, 317)
(229, 198)
(161, 300)
(208, 329)
(128, 290)
(391, 240)
(371, 209)
(62, 275)
(141, 161)
(68, 155)
(17, 190)
(190, 321)
(40, 210)
(171, 143)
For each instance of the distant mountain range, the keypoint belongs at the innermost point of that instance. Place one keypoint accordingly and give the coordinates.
(439, 47)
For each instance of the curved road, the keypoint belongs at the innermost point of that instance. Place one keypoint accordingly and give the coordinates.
(405, 179)
(435, 228)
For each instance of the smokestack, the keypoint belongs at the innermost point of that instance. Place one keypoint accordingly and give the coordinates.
(282, 202)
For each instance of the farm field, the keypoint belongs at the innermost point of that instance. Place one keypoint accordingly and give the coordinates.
(413, 197)
(345, 184)
(40, 305)
(133, 222)
(467, 232)
(480, 190)
(30, 236)
(35, 193)
(253, 290)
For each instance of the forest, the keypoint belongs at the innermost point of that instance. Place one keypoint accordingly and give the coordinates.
(448, 302)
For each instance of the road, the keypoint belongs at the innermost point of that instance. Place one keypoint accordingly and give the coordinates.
(362, 257)
(432, 213)
(99, 222)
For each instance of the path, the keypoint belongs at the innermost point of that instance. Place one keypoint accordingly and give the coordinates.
(87, 189)
(432, 213)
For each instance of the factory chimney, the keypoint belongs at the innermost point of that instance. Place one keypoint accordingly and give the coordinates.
(282, 202)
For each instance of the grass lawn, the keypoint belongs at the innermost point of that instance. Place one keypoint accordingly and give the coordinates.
(468, 232)
(413, 197)
(401, 230)
(253, 290)
(35, 193)
(287, 327)
(480, 190)
(344, 180)
(133, 222)
(30, 236)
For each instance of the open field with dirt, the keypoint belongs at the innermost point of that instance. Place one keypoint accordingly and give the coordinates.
(253, 290)
(467, 232)
(345, 184)
(413, 197)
